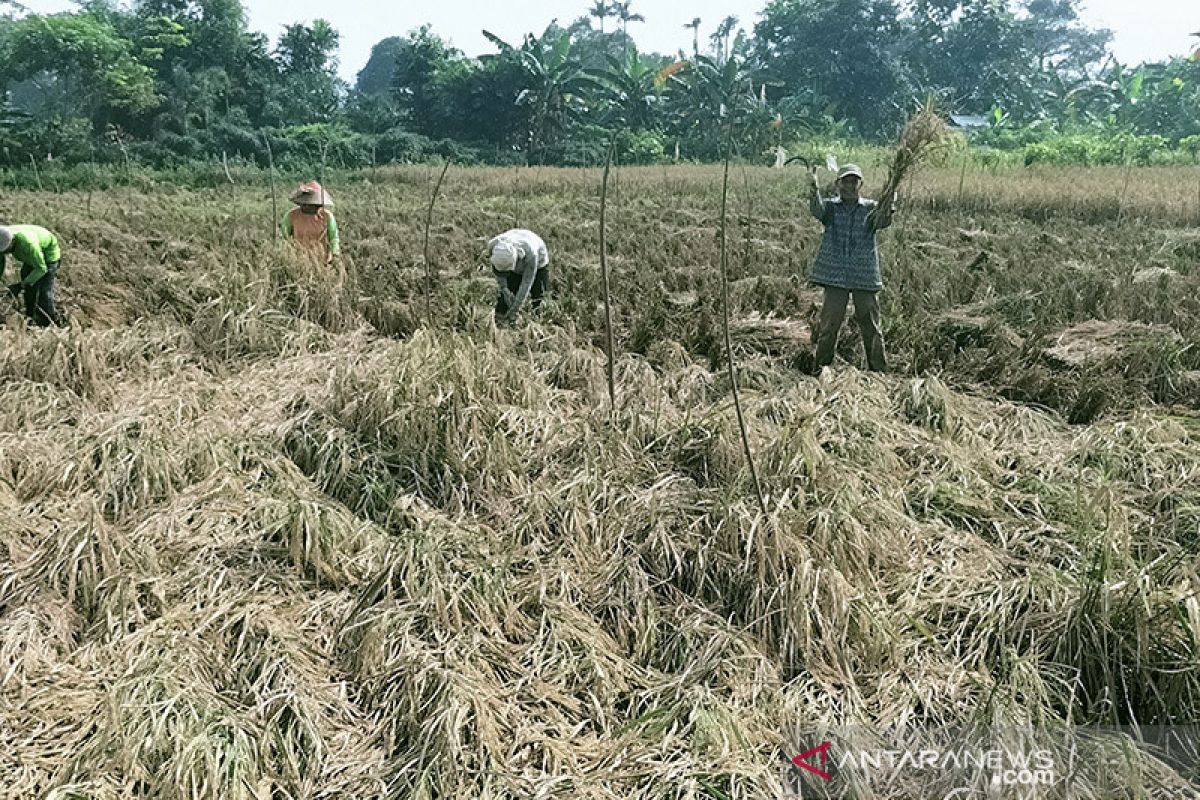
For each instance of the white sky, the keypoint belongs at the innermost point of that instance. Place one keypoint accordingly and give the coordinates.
(1144, 30)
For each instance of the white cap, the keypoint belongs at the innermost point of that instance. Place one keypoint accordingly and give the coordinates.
(5, 239)
(504, 255)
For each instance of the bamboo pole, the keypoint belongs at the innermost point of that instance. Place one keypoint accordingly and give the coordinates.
(737, 402)
(608, 326)
(425, 249)
(271, 175)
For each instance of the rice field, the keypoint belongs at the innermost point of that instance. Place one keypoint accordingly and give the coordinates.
(268, 531)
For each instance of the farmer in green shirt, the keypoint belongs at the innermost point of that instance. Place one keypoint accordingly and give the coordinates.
(36, 250)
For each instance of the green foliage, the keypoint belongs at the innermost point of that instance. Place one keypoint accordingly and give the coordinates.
(640, 147)
(55, 137)
(186, 79)
(1191, 146)
(1099, 150)
(402, 146)
(83, 63)
(630, 90)
(838, 56)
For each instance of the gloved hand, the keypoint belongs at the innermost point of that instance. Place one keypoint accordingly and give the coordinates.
(16, 289)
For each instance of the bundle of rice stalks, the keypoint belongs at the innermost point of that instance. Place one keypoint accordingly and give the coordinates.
(282, 678)
(966, 331)
(772, 336)
(784, 295)
(668, 355)
(924, 132)
(579, 370)
(1155, 275)
(27, 405)
(1099, 342)
(390, 317)
(928, 403)
(35, 636)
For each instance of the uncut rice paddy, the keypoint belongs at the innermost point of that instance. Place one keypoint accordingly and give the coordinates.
(271, 530)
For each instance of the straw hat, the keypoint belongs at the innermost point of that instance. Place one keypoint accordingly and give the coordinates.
(312, 194)
(850, 169)
(5, 239)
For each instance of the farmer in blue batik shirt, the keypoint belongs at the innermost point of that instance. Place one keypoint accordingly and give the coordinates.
(848, 264)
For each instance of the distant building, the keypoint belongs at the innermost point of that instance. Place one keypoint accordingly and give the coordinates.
(967, 122)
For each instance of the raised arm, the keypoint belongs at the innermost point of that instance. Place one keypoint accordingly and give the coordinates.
(816, 204)
(881, 216)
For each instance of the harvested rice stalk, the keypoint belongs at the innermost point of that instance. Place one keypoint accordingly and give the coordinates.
(924, 131)
(770, 335)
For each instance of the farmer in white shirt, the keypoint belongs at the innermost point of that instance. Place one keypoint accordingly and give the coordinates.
(521, 264)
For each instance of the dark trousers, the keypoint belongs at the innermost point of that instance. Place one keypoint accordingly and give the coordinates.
(866, 314)
(539, 289)
(39, 298)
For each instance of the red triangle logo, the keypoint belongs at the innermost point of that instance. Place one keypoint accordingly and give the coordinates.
(822, 750)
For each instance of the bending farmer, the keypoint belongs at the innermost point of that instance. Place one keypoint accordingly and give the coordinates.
(312, 225)
(36, 250)
(848, 264)
(521, 264)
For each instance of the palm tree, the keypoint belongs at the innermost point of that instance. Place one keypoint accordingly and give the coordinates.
(720, 38)
(601, 10)
(695, 26)
(623, 13)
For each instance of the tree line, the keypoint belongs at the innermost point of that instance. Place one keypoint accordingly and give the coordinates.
(165, 82)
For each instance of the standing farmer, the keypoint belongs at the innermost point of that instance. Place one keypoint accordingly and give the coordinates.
(521, 264)
(36, 250)
(311, 224)
(848, 265)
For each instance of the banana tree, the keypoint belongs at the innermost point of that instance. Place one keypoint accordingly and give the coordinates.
(555, 85)
(711, 99)
(1108, 99)
(632, 90)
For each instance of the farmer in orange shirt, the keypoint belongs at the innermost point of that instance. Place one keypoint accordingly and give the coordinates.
(311, 224)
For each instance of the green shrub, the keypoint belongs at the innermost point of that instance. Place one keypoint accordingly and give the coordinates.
(641, 147)
(399, 144)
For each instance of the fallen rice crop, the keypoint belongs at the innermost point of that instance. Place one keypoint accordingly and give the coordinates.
(263, 534)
